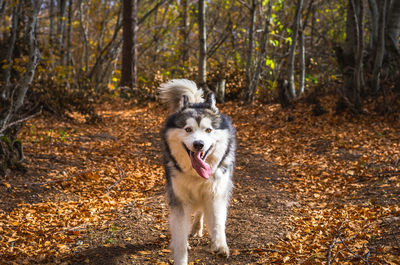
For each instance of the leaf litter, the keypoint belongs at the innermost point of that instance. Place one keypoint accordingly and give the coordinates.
(329, 185)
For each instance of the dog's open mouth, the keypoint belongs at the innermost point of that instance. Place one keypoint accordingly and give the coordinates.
(198, 162)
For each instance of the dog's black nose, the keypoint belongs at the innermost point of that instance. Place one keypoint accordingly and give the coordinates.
(198, 145)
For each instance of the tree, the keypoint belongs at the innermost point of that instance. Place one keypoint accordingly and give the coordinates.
(12, 112)
(253, 78)
(203, 45)
(383, 54)
(185, 33)
(129, 46)
(249, 61)
(295, 29)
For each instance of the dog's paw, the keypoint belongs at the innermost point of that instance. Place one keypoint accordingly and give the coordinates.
(222, 250)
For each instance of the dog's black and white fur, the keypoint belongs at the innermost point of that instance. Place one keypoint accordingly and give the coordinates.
(199, 151)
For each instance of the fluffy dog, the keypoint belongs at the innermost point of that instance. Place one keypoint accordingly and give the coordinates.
(199, 153)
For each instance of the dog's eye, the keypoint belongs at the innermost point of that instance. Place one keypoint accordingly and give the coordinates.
(208, 130)
(188, 129)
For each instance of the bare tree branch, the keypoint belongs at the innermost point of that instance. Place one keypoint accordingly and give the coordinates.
(6, 126)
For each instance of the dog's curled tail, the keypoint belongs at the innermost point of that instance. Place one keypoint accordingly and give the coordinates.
(171, 93)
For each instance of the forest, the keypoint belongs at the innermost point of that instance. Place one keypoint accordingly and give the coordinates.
(311, 86)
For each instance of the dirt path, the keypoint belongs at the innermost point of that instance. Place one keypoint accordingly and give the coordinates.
(256, 219)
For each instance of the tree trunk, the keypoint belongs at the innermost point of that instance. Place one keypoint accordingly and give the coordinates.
(359, 48)
(10, 51)
(350, 96)
(61, 30)
(393, 29)
(2, 8)
(380, 49)
(185, 34)
(129, 50)
(263, 53)
(85, 39)
(374, 17)
(10, 116)
(51, 18)
(34, 55)
(302, 59)
(69, 34)
(250, 48)
(292, 51)
(203, 45)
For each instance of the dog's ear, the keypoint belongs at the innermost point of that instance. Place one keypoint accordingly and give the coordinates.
(184, 103)
(211, 102)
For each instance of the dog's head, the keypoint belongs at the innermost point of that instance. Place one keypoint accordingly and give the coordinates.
(197, 127)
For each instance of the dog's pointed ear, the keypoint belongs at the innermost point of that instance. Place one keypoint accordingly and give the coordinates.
(212, 102)
(184, 103)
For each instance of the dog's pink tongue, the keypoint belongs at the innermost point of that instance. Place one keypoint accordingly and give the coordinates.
(201, 167)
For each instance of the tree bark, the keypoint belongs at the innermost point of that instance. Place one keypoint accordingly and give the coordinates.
(69, 34)
(85, 39)
(263, 53)
(359, 48)
(393, 29)
(249, 61)
(292, 51)
(61, 30)
(51, 18)
(350, 96)
(10, 51)
(302, 59)
(129, 50)
(202, 79)
(380, 49)
(2, 8)
(185, 33)
(374, 17)
(33, 56)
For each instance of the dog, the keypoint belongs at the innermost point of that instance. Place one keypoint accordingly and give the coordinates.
(199, 145)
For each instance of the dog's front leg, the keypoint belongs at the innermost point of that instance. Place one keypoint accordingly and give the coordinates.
(179, 222)
(216, 219)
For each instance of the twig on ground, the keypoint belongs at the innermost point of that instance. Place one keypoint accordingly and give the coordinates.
(121, 173)
(339, 239)
(354, 254)
(334, 242)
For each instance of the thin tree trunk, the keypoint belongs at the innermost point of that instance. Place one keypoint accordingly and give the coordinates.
(393, 29)
(69, 34)
(350, 90)
(85, 39)
(249, 61)
(61, 30)
(302, 59)
(380, 49)
(33, 56)
(2, 8)
(374, 20)
(10, 51)
(51, 26)
(262, 55)
(127, 35)
(203, 45)
(134, 39)
(295, 29)
(359, 47)
(185, 33)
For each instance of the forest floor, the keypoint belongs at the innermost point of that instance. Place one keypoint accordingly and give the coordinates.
(308, 190)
